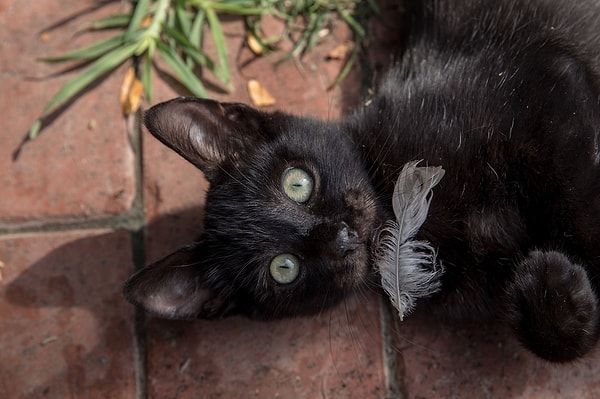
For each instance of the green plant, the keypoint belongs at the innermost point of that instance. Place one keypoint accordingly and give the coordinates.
(174, 29)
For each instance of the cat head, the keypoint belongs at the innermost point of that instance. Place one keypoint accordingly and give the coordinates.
(289, 217)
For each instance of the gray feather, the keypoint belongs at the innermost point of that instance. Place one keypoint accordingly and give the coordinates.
(409, 268)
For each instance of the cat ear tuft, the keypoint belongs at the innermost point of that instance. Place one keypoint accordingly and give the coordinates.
(173, 288)
(205, 132)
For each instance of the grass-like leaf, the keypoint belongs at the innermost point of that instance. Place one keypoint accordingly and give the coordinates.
(314, 34)
(195, 34)
(219, 40)
(303, 41)
(183, 17)
(242, 8)
(111, 22)
(98, 68)
(182, 72)
(175, 29)
(373, 6)
(194, 53)
(35, 129)
(142, 8)
(90, 52)
(146, 77)
(356, 27)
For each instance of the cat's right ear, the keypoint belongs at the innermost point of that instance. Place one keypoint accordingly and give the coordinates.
(205, 132)
(175, 287)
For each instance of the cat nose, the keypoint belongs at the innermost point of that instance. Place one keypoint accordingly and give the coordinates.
(346, 240)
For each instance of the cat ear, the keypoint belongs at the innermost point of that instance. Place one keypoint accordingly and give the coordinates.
(173, 288)
(205, 132)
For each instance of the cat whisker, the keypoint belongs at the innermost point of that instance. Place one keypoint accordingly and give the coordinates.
(242, 277)
(353, 325)
(330, 340)
(187, 264)
(226, 172)
(247, 183)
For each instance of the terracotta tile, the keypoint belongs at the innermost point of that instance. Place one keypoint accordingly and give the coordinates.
(335, 355)
(65, 330)
(483, 361)
(82, 164)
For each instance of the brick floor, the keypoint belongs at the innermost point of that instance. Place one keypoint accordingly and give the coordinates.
(82, 165)
(65, 332)
(70, 217)
(337, 354)
(483, 361)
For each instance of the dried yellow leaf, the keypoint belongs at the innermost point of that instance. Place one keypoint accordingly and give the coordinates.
(259, 95)
(127, 80)
(45, 37)
(340, 52)
(146, 21)
(132, 90)
(254, 44)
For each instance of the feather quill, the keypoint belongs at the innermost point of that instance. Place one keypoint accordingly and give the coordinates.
(409, 268)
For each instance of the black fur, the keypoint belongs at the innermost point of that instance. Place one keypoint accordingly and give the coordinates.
(504, 94)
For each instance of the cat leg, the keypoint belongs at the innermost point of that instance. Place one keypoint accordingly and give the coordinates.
(552, 306)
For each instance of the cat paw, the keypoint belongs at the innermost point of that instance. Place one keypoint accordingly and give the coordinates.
(553, 307)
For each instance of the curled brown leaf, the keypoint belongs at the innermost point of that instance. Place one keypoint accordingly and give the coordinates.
(132, 90)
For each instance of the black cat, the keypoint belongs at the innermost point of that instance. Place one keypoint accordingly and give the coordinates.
(503, 94)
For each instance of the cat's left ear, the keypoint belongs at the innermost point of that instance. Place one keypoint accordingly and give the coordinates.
(206, 132)
(174, 288)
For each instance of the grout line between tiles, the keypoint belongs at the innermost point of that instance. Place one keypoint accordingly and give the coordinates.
(139, 339)
(131, 220)
(393, 383)
(138, 251)
(140, 355)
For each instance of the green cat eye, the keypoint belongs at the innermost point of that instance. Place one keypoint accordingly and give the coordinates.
(297, 184)
(284, 268)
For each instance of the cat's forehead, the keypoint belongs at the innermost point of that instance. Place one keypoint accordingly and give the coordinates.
(321, 144)
(254, 181)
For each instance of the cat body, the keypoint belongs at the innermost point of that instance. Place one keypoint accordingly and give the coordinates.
(497, 95)
(504, 95)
